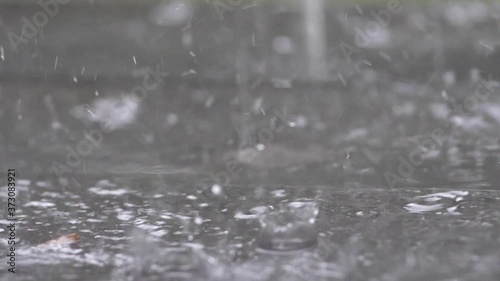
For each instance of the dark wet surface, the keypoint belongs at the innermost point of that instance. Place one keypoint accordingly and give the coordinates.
(205, 178)
(147, 229)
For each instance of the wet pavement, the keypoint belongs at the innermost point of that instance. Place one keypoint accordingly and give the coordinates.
(150, 229)
(237, 165)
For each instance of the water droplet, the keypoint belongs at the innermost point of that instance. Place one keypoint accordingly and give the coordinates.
(283, 45)
(216, 189)
(172, 119)
(198, 220)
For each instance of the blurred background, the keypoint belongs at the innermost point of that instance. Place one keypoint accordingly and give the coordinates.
(356, 83)
(192, 96)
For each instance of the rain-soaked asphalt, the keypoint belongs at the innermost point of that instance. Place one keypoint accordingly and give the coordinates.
(387, 171)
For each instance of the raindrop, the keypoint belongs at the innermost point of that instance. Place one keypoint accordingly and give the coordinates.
(360, 11)
(257, 104)
(489, 47)
(341, 77)
(172, 14)
(216, 189)
(210, 101)
(198, 220)
(283, 45)
(187, 39)
(449, 78)
(172, 119)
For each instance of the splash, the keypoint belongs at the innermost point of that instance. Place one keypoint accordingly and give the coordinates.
(290, 227)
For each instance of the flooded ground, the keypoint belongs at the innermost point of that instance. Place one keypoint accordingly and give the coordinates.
(145, 228)
(182, 145)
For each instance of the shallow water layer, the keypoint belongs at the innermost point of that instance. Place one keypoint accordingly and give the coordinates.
(184, 232)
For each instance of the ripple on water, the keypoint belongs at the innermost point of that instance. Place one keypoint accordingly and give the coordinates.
(40, 204)
(112, 192)
(446, 202)
(105, 187)
(290, 227)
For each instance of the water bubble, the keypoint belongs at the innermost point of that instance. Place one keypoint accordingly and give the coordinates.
(290, 227)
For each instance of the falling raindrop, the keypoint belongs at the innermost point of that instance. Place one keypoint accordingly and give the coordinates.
(283, 45)
(172, 119)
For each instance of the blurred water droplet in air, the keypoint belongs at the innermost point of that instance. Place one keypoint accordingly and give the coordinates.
(283, 45)
(172, 14)
(113, 112)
